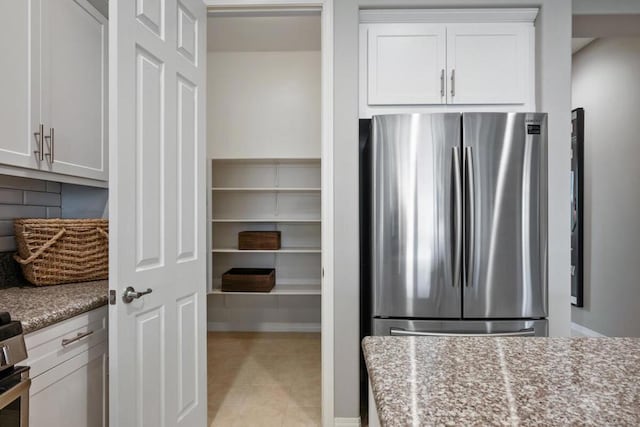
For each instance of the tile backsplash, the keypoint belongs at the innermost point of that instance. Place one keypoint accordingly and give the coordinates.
(25, 198)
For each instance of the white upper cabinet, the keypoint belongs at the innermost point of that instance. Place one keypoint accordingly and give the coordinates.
(489, 63)
(53, 90)
(19, 82)
(429, 60)
(406, 64)
(75, 88)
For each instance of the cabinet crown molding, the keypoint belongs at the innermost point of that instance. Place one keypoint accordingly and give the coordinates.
(518, 15)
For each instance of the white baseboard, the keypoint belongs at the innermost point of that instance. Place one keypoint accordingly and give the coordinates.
(581, 331)
(346, 422)
(263, 327)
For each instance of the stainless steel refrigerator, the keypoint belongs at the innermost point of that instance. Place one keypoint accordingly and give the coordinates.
(458, 224)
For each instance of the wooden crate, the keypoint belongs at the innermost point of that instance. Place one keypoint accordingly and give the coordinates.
(249, 280)
(259, 240)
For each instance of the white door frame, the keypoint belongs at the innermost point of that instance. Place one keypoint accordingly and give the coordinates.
(327, 328)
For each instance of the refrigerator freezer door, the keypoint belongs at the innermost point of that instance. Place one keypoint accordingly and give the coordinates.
(439, 328)
(505, 179)
(416, 221)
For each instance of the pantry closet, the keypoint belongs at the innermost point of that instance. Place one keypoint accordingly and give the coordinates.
(264, 145)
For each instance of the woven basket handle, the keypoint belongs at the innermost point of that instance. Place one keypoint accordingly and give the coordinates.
(43, 248)
(104, 233)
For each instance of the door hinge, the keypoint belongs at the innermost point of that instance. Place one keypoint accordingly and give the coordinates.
(323, 272)
(112, 297)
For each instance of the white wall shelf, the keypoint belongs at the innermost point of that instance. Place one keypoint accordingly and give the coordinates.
(277, 290)
(269, 251)
(267, 195)
(267, 220)
(266, 160)
(266, 189)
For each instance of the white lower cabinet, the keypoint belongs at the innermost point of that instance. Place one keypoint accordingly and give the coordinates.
(72, 394)
(70, 381)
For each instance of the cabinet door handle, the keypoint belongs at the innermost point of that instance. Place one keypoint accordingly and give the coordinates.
(453, 82)
(67, 341)
(51, 144)
(39, 137)
(442, 83)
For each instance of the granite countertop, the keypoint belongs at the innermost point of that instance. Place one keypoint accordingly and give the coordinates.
(40, 306)
(423, 381)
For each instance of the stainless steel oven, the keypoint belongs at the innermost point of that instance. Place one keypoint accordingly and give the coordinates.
(14, 379)
(14, 397)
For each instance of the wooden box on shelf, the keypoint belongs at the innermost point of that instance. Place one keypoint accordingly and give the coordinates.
(249, 280)
(259, 240)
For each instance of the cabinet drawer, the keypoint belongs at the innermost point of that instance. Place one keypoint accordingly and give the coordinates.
(73, 394)
(46, 349)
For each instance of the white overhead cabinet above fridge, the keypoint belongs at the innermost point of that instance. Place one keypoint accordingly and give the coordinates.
(445, 60)
(53, 90)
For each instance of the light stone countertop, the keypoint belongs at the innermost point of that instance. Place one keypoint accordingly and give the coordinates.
(480, 381)
(40, 306)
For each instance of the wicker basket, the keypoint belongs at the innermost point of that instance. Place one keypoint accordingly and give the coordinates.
(54, 251)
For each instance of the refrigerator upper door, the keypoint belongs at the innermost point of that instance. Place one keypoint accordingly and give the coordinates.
(505, 180)
(416, 216)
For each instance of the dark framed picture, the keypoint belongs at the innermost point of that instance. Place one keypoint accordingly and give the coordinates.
(577, 191)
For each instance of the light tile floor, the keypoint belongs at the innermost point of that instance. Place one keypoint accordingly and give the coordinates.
(263, 379)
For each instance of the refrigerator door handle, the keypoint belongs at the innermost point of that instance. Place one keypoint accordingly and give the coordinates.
(470, 215)
(529, 332)
(457, 217)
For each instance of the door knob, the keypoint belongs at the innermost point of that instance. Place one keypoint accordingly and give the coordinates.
(130, 294)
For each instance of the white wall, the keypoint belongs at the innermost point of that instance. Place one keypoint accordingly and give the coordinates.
(553, 92)
(79, 201)
(605, 7)
(25, 198)
(606, 85)
(263, 104)
(35, 198)
(101, 5)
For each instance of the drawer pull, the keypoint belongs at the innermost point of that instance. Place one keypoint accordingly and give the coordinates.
(67, 341)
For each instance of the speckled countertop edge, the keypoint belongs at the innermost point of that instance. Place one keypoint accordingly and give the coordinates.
(420, 381)
(40, 306)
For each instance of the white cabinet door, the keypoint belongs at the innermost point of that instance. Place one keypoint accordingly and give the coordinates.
(489, 63)
(75, 88)
(73, 394)
(20, 82)
(406, 64)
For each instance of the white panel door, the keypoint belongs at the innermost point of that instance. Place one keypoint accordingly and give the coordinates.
(489, 63)
(157, 212)
(20, 82)
(406, 64)
(74, 88)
